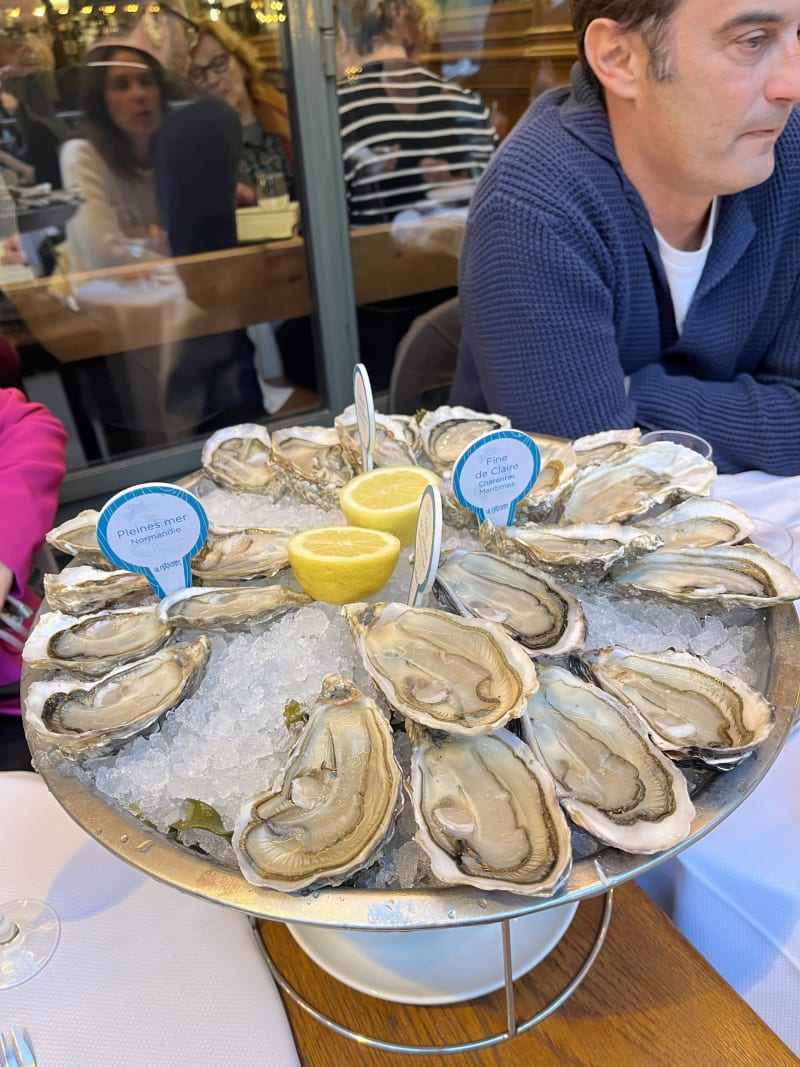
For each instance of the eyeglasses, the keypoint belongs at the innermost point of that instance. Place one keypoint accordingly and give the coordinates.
(188, 27)
(219, 64)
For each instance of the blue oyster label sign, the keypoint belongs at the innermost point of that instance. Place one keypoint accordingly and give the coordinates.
(154, 529)
(494, 473)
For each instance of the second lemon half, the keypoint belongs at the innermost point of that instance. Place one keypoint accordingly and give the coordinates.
(387, 498)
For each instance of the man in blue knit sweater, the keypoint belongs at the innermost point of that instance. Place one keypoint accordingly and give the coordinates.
(632, 254)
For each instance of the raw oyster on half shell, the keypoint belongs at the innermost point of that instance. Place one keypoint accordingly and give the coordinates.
(691, 708)
(446, 432)
(700, 522)
(743, 575)
(240, 458)
(598, 447)
(533, 608)
(611, 778)
(94, 644)
(314, 461)
(233, 553)
(556, 474)
(587, 548)
(633, 481)
(80, 590)
(97, 720)
(441, 670)
(78, 537)
(487, 813)
(396, 439)
(336, 803)
(229, 608)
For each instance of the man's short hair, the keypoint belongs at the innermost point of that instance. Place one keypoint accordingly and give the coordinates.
(650, 18)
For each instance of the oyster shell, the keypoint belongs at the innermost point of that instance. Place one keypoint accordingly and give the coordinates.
(126, 702)
(633, 481)
(396, 440)
(610, 777)
(79, 590)
(598, 447)
(700, 522)
(78, 537)
(556, 474)
(233, 553)
(240, 458)
(447, 431)
(725, 574)
(335, 804)
(691, 708)
(487, 813)
(542, 615)
(94, 644)
(314, 461)
(579, 550)
(231, 608)
(445, 672)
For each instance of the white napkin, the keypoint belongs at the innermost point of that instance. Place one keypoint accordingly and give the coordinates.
(143, 974)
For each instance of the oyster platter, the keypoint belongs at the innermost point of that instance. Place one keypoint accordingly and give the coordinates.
(580, 695)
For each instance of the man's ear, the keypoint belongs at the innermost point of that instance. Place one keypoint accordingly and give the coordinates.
(618, 57)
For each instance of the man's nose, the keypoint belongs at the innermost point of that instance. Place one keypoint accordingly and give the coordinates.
(784, 81)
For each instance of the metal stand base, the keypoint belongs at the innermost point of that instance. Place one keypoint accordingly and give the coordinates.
(513, 1026)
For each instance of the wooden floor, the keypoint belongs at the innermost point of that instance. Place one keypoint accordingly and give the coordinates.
(650, 999)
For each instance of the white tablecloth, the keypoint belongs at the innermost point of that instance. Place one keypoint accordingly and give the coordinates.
(735, 894)
(143, 975)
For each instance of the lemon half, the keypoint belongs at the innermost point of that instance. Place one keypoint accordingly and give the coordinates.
(339, 564)
(387, 498)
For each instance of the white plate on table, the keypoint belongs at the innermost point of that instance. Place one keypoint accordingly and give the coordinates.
(438, 966)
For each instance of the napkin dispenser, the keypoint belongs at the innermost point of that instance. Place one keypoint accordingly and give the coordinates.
(269, 220)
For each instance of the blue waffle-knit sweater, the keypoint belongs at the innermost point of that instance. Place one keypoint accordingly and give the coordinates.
(563, 295)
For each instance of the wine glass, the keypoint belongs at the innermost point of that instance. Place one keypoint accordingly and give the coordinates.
(29, 933)
(135, 235)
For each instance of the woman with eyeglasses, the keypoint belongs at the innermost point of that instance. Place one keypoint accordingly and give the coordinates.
(123, 97)
(226, 65)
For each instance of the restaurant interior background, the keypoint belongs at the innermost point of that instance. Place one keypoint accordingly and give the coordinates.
(328, 277)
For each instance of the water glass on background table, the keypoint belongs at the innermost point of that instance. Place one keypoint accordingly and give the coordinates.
(272, 191)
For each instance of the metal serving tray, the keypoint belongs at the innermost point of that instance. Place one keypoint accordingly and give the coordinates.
(717, 795)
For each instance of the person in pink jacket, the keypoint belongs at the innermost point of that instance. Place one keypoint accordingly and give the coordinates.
(32, 443)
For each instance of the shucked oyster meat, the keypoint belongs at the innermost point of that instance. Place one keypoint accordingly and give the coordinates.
(585, 549)
(700, 522)
(78, 537)
(633, 481)
(487, 813)
(94, 644)
(80, 590)
(240, 458)
(97, 720)
(314, 461)
(443, 671)
(691, 708)
(447, 431)
(610, 777)
(335, 804)
(396, 439)
(534, 609)
(743, 575)
(234, 553)
(231, 608)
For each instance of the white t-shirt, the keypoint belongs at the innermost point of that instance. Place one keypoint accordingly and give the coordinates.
(684, 269)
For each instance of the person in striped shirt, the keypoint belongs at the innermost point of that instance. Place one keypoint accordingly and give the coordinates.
(408, 137)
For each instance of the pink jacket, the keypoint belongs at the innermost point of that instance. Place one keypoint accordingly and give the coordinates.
(32, 443)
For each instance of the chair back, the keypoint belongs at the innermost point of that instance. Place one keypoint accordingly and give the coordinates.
(425, 360)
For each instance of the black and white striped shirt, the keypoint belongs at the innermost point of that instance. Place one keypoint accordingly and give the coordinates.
(391, 118)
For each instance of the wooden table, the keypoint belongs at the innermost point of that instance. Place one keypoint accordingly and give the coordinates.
(234, 288)
(650, 999)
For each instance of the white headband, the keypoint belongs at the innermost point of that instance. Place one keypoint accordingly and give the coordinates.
(117, 63)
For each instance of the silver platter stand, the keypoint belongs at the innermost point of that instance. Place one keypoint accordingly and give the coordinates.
(715, 796)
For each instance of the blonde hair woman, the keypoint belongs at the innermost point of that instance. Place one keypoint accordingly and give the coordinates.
(226, 64)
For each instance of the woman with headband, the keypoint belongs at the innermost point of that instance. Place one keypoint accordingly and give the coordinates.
(123, 99)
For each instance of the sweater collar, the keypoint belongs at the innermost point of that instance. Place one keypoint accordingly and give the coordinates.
(583, 114)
